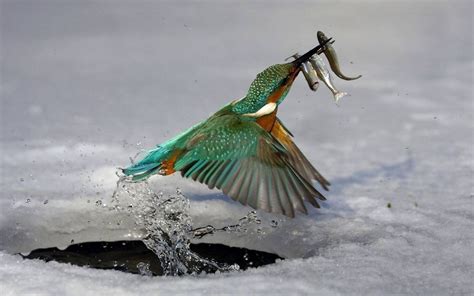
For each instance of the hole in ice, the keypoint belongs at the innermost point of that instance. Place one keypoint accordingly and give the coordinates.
(165, 248)
(135, 257)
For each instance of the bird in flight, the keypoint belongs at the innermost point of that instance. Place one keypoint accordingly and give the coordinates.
(244, 149)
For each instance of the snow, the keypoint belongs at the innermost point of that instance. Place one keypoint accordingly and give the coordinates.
(86, 85)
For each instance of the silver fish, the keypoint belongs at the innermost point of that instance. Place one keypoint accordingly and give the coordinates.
(323, 74)
(330, 53)
(308, 72)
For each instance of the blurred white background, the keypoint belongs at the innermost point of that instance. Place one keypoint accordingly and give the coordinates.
(86, 84)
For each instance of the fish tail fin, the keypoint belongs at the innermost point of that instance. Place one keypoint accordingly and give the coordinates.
(339, 96)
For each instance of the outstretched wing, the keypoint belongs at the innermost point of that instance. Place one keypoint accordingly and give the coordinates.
(295, 156)
(247, 164)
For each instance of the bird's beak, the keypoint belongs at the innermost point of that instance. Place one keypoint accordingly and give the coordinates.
(297, 63)
(317, 50)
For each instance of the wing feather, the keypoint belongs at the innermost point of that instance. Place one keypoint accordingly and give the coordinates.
(296, 157)
(295, 196)
(281, 191)
(249, 165)
(217, 173)
(211, 171)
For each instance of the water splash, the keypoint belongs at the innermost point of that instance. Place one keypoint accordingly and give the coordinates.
(167, 225)
(251, 222)
(144, 269)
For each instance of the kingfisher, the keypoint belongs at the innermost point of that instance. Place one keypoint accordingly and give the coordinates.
(244, 149)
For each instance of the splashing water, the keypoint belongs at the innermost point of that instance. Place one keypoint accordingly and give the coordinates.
(167, 225)
(244, 225)
(144, 269)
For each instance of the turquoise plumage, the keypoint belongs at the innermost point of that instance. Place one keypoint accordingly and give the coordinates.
(244, 150)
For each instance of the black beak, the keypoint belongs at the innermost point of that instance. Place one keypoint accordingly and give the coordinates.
(317, 50)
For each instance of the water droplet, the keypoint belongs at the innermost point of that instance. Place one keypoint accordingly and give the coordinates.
(144, 269)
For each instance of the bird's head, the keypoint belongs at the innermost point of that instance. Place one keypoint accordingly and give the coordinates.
(274, 82)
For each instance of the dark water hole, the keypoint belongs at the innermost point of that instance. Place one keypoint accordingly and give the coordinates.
(131, 256)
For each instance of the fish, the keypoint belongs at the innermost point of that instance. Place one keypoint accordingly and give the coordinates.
(309, 73)
(323, 73)
(331, 55)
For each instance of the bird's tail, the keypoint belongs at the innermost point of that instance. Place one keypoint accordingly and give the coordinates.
(152, 162)
(149, 165)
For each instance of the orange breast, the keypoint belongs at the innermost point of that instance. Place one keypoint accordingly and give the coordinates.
(276, 95)
(267, 121)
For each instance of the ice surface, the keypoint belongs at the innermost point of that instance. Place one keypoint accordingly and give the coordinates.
(86, 85)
